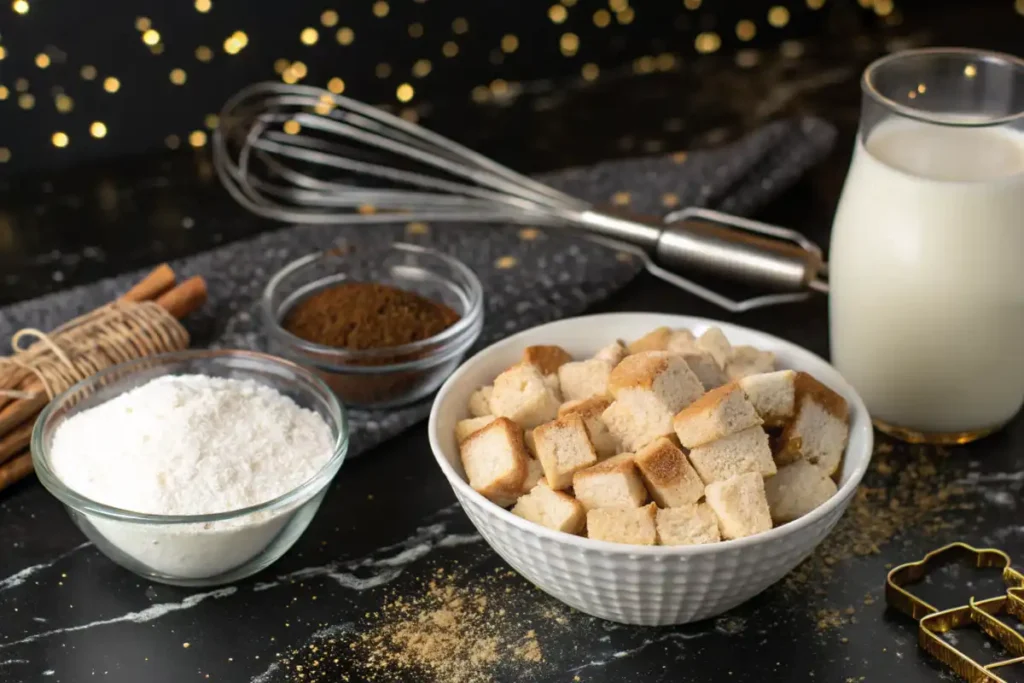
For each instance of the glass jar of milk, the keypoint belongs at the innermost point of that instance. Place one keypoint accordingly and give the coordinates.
(927, 257)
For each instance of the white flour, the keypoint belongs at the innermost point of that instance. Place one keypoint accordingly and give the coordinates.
(188, 445)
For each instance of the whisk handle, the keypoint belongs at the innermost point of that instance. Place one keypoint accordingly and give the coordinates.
(719, 244)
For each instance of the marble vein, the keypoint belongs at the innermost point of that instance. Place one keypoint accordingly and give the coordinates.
(151, 613)
(389, 561)
(622, 654)
(18, 578)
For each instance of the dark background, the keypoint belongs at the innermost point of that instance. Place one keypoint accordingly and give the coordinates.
(96, 206)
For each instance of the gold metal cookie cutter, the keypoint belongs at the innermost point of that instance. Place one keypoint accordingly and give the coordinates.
(983, 613)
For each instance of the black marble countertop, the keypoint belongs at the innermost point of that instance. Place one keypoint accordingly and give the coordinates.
(389, 523)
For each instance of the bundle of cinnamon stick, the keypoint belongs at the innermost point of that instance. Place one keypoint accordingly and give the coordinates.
(24, 396)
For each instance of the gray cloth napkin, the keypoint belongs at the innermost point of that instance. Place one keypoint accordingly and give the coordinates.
(530, 277)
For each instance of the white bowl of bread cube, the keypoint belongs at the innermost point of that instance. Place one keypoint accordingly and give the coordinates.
(650, 469)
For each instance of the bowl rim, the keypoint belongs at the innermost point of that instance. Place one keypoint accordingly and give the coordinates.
(462, 488)
(81, 503)
(449, 337)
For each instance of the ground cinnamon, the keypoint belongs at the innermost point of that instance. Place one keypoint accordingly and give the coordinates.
(367, 315)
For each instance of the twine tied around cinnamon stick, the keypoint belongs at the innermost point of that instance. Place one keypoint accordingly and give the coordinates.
(118, 332)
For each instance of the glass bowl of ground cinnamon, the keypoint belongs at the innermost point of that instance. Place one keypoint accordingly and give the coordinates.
(383, 326)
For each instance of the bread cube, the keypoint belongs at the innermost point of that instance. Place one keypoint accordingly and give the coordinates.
(521, 394)
(718, 413)
(668, 475)
(547, 359)
(613, 353)
(534, 474)
(745, 451)
(465, 428)
(706, 368)
(480, 401)
(495, 460)
(819, 430)
(553, 509)
(655, 340)
(682, 341)
(614, 483)
(687, 525)
(591, 409)
(746, 361)
(714, 342)
(649, 389)
(563, 449)
(623, 525)
(796, 489)
(583, 379)
(740, 505)
(773, 395)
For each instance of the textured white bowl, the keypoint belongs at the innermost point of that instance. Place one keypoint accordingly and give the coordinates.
(639, 584)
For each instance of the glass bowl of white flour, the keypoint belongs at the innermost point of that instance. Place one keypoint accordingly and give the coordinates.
(195, 468)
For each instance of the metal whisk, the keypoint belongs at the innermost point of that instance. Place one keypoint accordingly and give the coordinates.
(301, 154)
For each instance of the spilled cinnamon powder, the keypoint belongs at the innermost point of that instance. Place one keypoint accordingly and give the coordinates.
(454, 628)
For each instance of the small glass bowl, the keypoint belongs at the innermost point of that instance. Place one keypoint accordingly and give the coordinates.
(392, 376)
(195, 550)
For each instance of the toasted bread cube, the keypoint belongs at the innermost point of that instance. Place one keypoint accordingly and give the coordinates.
(796, 489)
(466, 428)
(480, 401)
(682, 341)
(613, 353)
(495, 460)
(614, 483)
(714, 342)
(649, 389)
(745, 451)
(773, 395)
(547, 359)
(664, 375)
(553, 509)
(655, 340)
(591, 409)
(687, 525)
(746, 361)
(820, 429)
(623, 525)
(534, 474)
(668, 475)
(583, 379)
(636, 420)
(718, 413)
(522, 395)
(563, 449)
(740, 505)
(706, 369)
(554, 385)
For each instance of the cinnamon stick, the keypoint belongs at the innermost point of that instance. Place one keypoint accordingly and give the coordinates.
(179, 302)
(15, 441)
(15, 470)
(18, 411)
(185, 298)
(160, 280)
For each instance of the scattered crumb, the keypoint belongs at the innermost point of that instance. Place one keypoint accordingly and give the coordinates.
(451, 626)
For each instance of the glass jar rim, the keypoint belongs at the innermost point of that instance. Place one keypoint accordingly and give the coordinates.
(870, 90)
